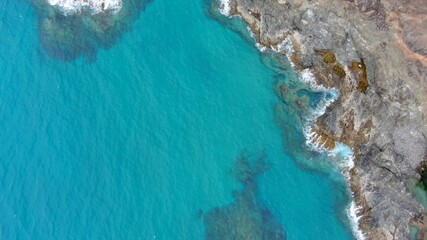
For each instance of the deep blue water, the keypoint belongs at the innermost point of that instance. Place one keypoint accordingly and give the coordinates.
(140, 142)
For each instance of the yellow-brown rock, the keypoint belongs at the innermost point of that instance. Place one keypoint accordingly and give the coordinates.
(328, 56)
(339, 70)
(360, 69)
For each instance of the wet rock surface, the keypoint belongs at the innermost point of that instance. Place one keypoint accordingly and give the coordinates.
(373, 52)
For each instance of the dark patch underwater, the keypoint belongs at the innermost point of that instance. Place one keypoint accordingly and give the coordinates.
(246, 218)
(83, 34)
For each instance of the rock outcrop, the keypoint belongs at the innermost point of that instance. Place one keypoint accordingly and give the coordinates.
(374, 52)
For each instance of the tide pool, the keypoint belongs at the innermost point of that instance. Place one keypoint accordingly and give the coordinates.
(140, 143)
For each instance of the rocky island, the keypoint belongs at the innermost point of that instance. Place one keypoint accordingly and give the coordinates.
(375, 53)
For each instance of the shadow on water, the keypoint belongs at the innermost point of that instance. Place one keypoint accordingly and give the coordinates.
(245, 218)
(69, 37)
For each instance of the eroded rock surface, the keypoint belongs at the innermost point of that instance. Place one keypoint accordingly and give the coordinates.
(374, 53)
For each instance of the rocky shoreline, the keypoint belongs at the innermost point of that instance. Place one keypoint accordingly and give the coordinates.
(375, 54)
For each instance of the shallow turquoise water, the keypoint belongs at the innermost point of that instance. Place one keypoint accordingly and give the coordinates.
(136, 143)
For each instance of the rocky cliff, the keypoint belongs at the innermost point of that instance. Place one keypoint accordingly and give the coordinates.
(375, 53)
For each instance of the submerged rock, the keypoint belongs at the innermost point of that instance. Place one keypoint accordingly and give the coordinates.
(74, 31)
(246, 218)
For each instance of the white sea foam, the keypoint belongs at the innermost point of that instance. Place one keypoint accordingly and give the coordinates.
(69, 7)
(224, 8)
(285, 46)
(309, 134)
(352, 211)
(307, 77)
(260, 47)
(346, 156)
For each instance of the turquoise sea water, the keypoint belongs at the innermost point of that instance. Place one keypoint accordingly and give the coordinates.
(141, 142)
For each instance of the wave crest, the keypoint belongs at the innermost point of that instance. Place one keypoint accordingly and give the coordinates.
(69, 7)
